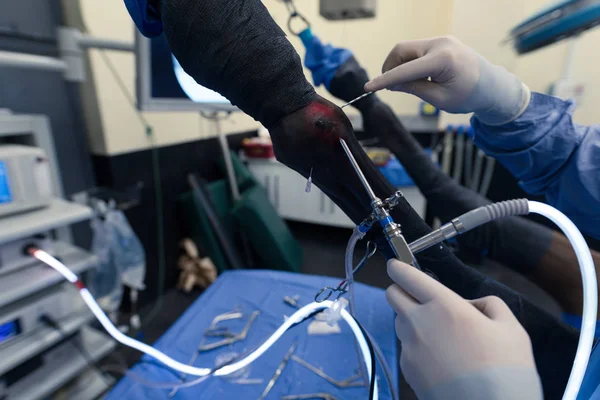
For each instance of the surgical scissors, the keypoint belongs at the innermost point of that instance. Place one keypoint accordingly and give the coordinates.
(326, 292)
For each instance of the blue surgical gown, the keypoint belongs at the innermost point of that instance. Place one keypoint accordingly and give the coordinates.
(553, 156)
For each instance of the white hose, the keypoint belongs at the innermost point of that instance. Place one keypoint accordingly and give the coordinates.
(298, 316)
(349, 266)
(590, 294)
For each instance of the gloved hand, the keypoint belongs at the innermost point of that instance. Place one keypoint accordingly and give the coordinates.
(322, 60)
(462, 81)
(453, 348)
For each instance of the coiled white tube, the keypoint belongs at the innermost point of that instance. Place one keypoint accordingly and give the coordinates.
(590, 294)
(298, 316)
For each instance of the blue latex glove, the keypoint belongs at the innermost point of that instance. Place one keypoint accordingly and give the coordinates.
(145, 16)
(322, 60)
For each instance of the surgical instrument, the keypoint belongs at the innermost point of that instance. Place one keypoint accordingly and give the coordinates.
(278, 372)
(291, 301)
(346, 383)
(246, 381)
(362, 96)
(326, 292)
(214, 331)
(229, 338)
(312, 396)
(392, 231)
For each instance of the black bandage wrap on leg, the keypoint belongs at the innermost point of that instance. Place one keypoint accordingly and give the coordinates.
(235, 48)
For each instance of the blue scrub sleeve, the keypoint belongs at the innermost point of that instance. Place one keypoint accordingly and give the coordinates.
(551, 155)
(323, 60)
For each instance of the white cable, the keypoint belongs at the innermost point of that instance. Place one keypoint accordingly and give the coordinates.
(57, 265)
(590, 294)
(298, 316)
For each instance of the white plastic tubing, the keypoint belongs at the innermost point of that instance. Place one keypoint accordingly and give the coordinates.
(590, 294)
(196, 371)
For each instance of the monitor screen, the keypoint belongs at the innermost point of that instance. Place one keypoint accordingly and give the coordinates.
(5, 196)
(9, 330)
(163, 85)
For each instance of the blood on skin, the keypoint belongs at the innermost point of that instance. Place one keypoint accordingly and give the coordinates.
(326, 120)
(316, 109)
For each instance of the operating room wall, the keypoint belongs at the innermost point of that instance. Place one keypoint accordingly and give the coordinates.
(483, 25)
(369, 39)
(541, 68)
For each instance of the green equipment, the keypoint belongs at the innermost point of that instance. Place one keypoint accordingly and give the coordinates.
(271, 242)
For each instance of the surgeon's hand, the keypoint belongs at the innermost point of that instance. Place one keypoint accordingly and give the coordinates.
(453, 348)
(453, 77)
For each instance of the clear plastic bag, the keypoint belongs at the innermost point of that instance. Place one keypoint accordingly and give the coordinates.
(127, 250)
(122, 261)
(105, 281)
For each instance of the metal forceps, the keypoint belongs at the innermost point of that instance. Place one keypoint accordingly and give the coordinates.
(353, 381)
(215, 331)
(230, 338)
(278, 372)
(326, 292)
